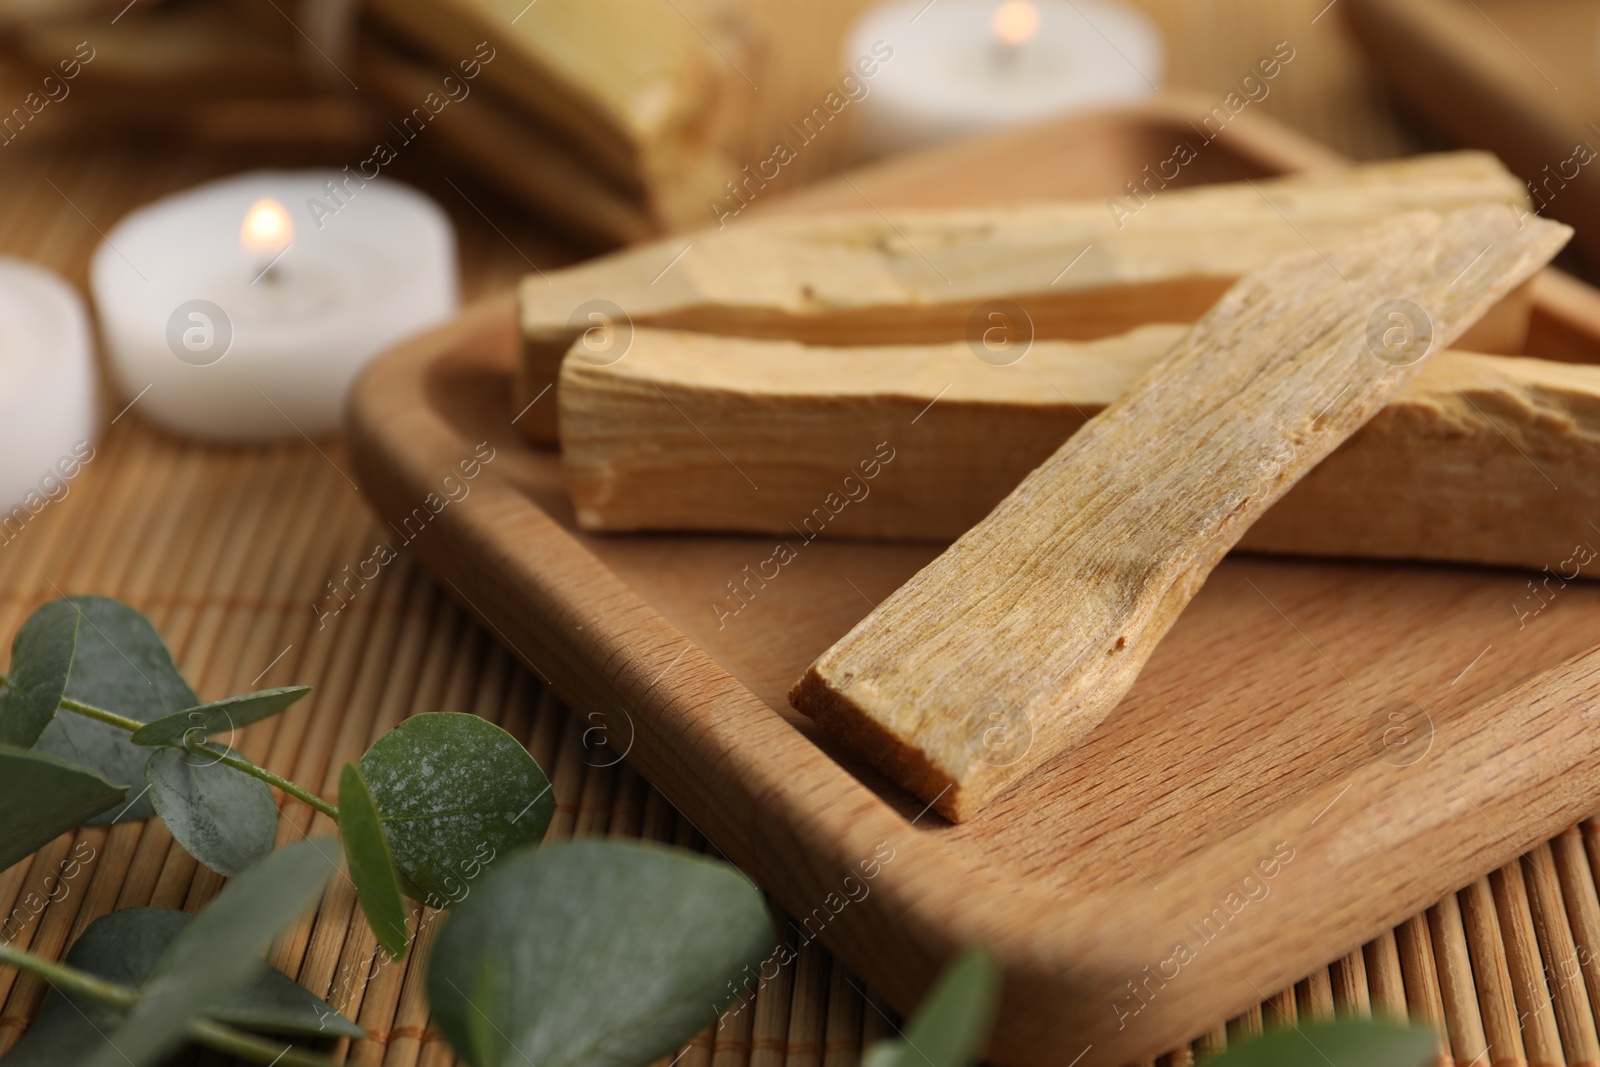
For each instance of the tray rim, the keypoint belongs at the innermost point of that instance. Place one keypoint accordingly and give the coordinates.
(752, 783)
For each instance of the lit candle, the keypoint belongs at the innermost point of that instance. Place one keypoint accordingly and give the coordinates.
(960, 67)
(47, 392)
(243, 309)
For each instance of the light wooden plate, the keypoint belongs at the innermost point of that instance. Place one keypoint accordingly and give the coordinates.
(1316, 751)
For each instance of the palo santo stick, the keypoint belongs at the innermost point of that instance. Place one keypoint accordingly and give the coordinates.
(631, 87)
(1025, 633)
(1078, 270)
(1462, 464)
(678, 435)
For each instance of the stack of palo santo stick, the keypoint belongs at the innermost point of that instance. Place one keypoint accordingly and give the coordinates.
(1096, 465)
(620, 120)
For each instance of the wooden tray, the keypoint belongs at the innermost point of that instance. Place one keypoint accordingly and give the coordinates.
(1518, 77)
(1316, 751)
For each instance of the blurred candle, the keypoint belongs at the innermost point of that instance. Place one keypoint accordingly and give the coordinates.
(47, 391)
(243, 309)
(961, 67)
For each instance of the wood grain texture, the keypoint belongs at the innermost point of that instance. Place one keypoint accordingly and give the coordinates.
(1075, 270)
(1479, 459)
(1024, 634)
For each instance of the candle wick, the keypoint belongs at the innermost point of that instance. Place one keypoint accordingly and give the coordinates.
(1004, 55)
(270, 271)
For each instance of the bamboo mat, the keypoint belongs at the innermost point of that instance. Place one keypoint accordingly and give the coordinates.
(228, 549)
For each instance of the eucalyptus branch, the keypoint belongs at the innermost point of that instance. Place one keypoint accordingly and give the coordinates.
(68, 979)
(249, 1047)
(224, 755)
(238, 762)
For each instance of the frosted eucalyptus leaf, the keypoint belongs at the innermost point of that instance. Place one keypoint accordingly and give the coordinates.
(121, 665)
(123, 947)
(234, 713)
(371, 863)
(42, 796)
(593, 954)
(454, 791)
(1344, 1043)
(216, 954)
(952, 1026)
(222, 817)
(41, 661)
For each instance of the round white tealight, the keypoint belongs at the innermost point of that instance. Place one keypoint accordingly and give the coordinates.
(48, 416)
(960, 67)
(244, 308)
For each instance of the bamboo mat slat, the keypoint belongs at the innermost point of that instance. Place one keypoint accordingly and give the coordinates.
(228, 550)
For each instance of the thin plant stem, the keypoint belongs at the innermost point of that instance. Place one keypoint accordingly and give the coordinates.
(67, 978)
(110, 718)
(252, 1048)
(225, 755)
(238, 762)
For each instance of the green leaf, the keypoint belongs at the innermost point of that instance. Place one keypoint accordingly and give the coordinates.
(1343, 1043)
(952, 1026)
(221, 816)
(123, 947)
(121, 665)
(234, 713)
(454, 791)
(371, 863)
(593, 954)
(217, 954)
(41, 797)
(41, 661)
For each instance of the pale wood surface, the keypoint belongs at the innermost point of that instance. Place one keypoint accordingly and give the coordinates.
(1074, 269)
(1026, 632)
(285, 521)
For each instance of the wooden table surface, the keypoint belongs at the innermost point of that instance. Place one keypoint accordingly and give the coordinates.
(230, 549)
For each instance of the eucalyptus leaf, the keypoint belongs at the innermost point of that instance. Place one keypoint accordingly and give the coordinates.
(41, 661)
(593, 954)
(1342, 1043)
(216, 954)
(371, 863)
(123, 947)
(454, 791)
(222, 817)
(952, 1025)
(231, 714)
(42, 796)
(121, 665)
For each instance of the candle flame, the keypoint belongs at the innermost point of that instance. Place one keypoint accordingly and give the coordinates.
(1014, 22)
(266, 227)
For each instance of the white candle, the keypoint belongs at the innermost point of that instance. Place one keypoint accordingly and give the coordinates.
(47, 392)
(960, 67)
(243, 309)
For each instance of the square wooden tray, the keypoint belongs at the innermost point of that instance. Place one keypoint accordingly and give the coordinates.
(1316, 751)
